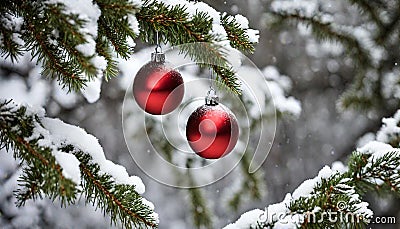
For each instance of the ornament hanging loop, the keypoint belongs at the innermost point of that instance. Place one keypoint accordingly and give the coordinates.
(212, 98)
(158, 55)
(158, 45)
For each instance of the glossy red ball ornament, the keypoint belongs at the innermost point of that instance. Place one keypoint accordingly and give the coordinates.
(158, 88)
(212, 131)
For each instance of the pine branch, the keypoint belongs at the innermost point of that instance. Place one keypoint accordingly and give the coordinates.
(200, 212)
(114, 30)
(22, 130)
(324, 31)
(332, 193)
(252, 184)
(365, 92)
(69, 38)
(379, 174)
(37, 40)
(333, 198)
(42, 169)
(388, 29)
(121, 202)
(237, 36)
(175, 26)
(370, 10)
(9, 48)
(52, 34)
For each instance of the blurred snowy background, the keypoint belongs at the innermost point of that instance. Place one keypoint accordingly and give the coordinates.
(320, 134)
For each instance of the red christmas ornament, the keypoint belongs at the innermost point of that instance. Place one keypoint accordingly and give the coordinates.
(212, 130)
(157, 87)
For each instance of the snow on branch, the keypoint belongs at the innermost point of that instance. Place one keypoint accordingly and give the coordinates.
(335, 194)
(365, 39)
(70, 162)
(78, 44)
(198, 22)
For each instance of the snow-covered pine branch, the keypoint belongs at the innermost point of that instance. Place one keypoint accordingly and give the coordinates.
(61, 161)
(79, 43)
(368, 39)
(321, 201)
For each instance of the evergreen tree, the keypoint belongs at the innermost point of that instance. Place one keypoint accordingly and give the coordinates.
(76, 45)
(79, 45)
(334, 198)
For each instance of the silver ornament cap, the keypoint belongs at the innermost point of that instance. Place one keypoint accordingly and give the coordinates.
(158, 57)
(212, 99)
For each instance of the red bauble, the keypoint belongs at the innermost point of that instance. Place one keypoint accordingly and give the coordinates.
(212, 131)
(157, 88)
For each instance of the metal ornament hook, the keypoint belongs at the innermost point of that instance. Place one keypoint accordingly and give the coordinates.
(158, 45)
(212, 98)
(158, 55)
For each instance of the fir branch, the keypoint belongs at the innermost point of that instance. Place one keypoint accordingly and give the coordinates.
(325, 31)
(338, 194)
(252, 184)
(388, 29)
(43, 174)
(237, 36)
(200, 212)
(379, 174)
(176, 28)
(36, 36)
(114, 30)
(121, 205)
(15, 126)
(367, 8)
(8, 47)
(104, 50)
(327, 197)
(69, 37)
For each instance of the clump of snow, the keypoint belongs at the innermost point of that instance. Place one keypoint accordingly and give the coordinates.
(63, 97)
(86, 11)
(148, 203)
(254, 35)
(192, 8)
(305, 8)
(90, 13)
(92, 90)
(377, 150)
(88, 48)
(242, 21)
(390, 128)
(16, 88)
(12, 22)
(375, 147)
(247, 220)
(339, 167)
(134, 24)
(70, 166)
(305, 189)
(391, 84)
(365, 139)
